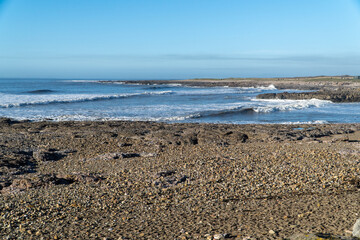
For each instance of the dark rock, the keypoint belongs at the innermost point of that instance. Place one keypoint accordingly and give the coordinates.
(7, 121)
(193, 140)
(130, 155)
(241, 137)
(182, 179)
(48, 155)
(17, 162)
(165, 173)
(125, 144)
(22, 184)
(169, 178)
(338, 96)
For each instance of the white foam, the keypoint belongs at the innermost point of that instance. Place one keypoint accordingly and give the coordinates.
(209, 91)
(273, 105)
(270, 87)
(307, 122)
(11, 100)
(259, 88)
(119, 83)
(78, 117)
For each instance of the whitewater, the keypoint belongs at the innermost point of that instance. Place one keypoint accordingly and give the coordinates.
(98, 100)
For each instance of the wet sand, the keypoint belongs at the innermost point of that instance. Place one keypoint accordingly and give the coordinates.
(145, 180)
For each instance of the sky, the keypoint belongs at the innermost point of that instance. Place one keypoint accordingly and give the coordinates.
(178, 39)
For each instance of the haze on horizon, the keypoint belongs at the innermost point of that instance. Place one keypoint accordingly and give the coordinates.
(160, 39)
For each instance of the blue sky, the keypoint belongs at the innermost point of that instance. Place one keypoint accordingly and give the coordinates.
(175, 39)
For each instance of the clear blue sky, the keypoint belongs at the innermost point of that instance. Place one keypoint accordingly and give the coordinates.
(150, 39)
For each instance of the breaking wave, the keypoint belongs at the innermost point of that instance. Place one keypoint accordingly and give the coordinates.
(273, 105)
(307, 122)
(261, 106)
(9, 100)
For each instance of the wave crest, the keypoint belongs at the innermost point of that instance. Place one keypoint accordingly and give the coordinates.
(9, 100)
(287, 105)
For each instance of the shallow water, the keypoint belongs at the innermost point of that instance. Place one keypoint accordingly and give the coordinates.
(61, 100)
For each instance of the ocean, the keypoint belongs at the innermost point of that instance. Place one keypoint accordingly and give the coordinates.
(78, 100)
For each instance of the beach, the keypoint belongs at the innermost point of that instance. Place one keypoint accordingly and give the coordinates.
(176, 120)
(152, 180)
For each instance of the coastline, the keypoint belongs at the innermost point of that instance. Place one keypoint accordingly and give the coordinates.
(300, 83)
(335, 89)
(150, 180)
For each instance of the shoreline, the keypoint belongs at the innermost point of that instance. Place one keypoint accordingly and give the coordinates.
(300, 83)
(151, 180)
(334, 89)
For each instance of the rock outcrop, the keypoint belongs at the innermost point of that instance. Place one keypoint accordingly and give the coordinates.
(338, 96)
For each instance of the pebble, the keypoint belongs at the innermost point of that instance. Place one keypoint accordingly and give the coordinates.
(203, 188)
(356, 229)
(219, 236)
(272, 232)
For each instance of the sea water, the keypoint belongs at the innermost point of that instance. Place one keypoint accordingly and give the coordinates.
(63, 100)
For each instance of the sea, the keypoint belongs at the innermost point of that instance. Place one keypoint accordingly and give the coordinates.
(97, 100)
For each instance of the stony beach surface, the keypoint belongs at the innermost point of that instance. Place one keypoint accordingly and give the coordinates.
(146, 180)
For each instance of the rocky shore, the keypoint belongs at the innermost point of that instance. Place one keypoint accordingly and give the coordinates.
(337, 96)
(302, 83)
(146, 180)
(335, 89)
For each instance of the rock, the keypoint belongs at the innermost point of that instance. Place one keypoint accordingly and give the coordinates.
(241, 137)
(208, 237)
(318, 236)
(15, 162)
(17, 186)
(48, 155)
(115, 155)
(7, 121)
(356, 229)
(165, 173)
(148, 154)
(219, 236)
(130, 155)
(78, 177)
(125, 144)
(193, 140)
(169, 178)
(22, 184)
(272, 232)
(349, 95)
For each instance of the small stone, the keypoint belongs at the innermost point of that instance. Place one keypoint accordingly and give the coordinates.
(356, 229)
(219, 236)
(272, 232)
(130, 155)
(208, 237)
